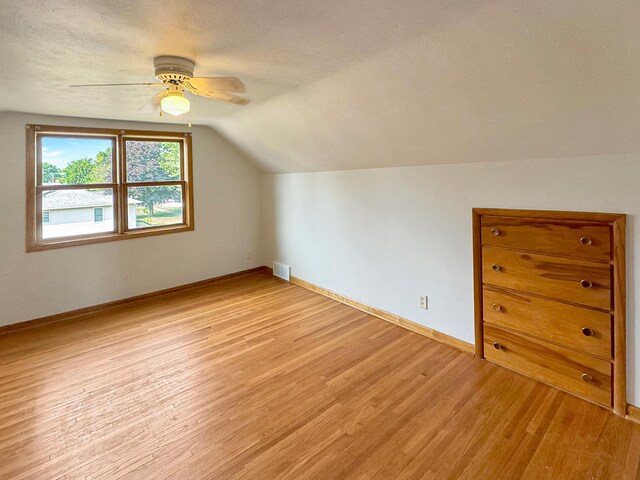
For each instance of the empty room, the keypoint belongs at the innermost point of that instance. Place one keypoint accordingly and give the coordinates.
(333, 240)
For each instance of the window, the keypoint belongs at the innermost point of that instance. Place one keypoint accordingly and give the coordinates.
(97, 185)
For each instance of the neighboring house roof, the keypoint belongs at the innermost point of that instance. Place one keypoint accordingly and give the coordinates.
(60, 199)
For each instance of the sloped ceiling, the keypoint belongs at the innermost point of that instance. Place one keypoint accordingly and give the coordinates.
(346, 84)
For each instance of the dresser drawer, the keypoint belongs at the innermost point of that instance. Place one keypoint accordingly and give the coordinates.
(576, 281)
(577, 373)
(575, 327)
(544, 236)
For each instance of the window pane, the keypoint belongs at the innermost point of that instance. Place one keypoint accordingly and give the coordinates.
(155, 206)
(73, 160)
(72, 212)
(149, 161)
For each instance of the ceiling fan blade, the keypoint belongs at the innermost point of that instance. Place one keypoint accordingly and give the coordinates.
(153, 105)
(226, 84)
(119, 85)
(224, 97)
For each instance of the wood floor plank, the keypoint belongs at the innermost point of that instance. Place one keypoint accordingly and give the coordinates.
(253, 377)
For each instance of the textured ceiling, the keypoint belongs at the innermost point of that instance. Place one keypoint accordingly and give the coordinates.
(342, 84)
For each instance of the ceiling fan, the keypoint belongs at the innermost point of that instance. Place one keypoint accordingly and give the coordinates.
(175, 75)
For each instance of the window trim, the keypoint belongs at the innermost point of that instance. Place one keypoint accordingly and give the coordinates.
(34, 187)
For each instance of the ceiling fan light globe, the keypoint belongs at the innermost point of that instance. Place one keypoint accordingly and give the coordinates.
(175, 104)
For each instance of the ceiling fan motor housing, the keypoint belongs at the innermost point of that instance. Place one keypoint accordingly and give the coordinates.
(173, 69)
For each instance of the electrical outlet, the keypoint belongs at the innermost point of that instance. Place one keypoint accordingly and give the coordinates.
(423, 302)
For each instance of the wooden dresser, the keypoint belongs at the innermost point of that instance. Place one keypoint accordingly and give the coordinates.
(550, 298)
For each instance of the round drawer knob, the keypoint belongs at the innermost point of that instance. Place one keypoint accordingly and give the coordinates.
(495, 232)
(497, 346)
(586, 283)
(587, 332)
(496, 307)
(586, 241)
(496, 268)
(587, 378)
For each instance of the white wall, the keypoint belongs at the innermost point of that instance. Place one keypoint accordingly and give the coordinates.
(226, 236)
(132, 219)
(64, 216)
(383, 236)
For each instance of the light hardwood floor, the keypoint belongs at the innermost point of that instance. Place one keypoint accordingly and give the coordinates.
(254, 378)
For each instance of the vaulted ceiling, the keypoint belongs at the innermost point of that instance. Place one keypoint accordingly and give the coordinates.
(345, 84)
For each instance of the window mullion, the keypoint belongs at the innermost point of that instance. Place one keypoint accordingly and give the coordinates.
(122, 191)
